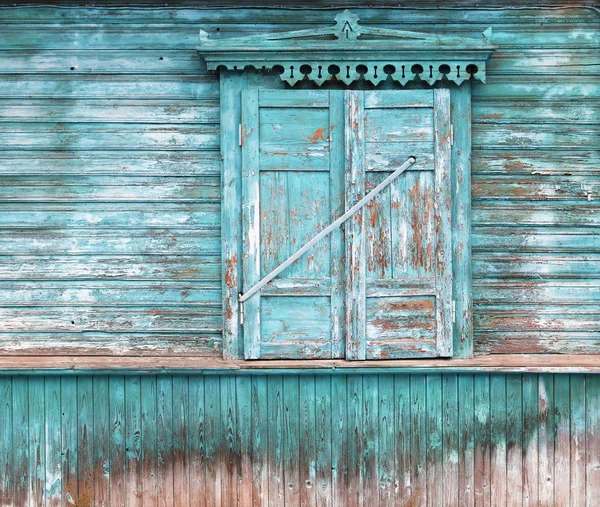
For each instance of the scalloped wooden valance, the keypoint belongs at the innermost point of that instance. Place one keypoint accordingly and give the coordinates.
(349, 51)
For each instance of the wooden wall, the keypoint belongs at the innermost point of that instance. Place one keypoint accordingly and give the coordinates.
(109, 177)
(412, 440)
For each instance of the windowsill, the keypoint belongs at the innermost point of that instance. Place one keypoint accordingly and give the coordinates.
(541, 363)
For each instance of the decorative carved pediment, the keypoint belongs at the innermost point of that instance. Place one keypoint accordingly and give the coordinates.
(349, 51)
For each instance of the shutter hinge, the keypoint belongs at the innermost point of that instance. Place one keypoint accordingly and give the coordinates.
(241, 314)
(240, 134)
(452, 134)
(453, 311)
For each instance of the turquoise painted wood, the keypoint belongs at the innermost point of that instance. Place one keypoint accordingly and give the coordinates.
(110, 178)
(376, 439)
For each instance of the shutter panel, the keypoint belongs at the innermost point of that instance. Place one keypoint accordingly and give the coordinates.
(398, 249)
(292, 187)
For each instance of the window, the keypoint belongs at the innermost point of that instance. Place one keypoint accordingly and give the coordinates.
(381, 287)
(387, 285)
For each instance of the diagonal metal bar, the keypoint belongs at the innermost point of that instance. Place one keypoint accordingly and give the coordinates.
(334, 225)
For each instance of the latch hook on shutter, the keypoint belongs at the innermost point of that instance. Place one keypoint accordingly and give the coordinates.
(334, 225)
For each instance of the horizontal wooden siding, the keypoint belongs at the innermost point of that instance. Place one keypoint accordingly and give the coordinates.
(110, 188)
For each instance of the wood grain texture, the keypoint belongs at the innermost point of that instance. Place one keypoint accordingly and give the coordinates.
(392, 439)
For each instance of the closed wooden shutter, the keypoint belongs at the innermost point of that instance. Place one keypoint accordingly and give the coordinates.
(292, 187)
(381, 287)
(398, 250)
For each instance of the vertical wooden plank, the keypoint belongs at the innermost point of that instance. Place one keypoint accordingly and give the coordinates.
(323, 436)
(243, 397)
(385, 431)
(308, 484)
(197, 440)
(434, 440)
(418, 408)
(69, 438)
(260, 442)
(20, 439)
(404, 486)
(181, 469)
(116, 389)
(228, 463)
(6, 448)
(546, 439)
(461, 220)
(369, 465)
(514, 440)
(164, 435)
(592, 404)
(337, 203)
(466, 440)
(339, 442)
(149, 423)
(37, 441)
(498, 436)
(578, 440)
(53, 441)
(133, 448)
(291, 439)
(562, 440)
(102, 435)
(87, 467)
(355, 437)
(482, 440)
(450, 431)
(231, 224)
(443, 220)
(275, 433)
(530, 440)
(355, 266)
(250, 221)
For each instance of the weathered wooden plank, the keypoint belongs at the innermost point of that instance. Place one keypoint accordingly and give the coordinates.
(133, 442)
(450, 439)
(356, 440)
(578, 439)
(592, 438)
(275, 431)
(36, 455)
(6, 449)
(434, 424)
(370, 451)
(483, 444)
(260, 442)
(228, 465)
(243, 444)
(562, 439)
(307, 440)
(20, 440)
(164, 447)
(466, 440)
(418, 415)
(181, 441)
(148, 439)
(291, 440)
(546, 446)
(461, 220)
(385, 452)
(355, 277)
(70, 480)
(197, 440)
(514, 440)
(339, 440)
(102, 436)
(53, 488)
(86, 470)
(498, 432)
(117, 163)
(531, 419)
(323, 465)
(116, 445)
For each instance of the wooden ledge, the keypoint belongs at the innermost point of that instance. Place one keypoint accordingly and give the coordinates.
(513, 363)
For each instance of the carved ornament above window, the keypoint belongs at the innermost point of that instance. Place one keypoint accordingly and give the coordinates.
(348, 52)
